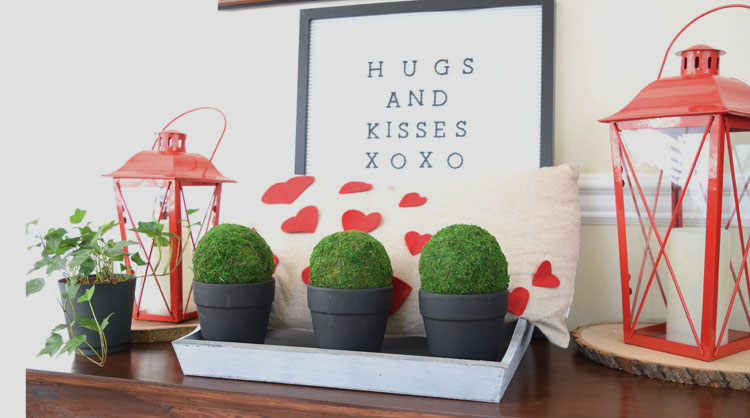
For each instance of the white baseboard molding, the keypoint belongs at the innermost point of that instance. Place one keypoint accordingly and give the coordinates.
(597, 198)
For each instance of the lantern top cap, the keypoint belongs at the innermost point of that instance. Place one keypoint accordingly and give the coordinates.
(171, 161)
(171, 142)
(699, 48)
(698, 90)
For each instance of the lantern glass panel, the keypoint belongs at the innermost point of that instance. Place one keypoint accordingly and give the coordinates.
(658, 189)
(739, 317)
(143, 204)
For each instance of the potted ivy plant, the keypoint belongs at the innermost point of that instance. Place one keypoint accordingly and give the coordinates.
(96, 291)
(350, 291)
(233, 284)
(463, 297)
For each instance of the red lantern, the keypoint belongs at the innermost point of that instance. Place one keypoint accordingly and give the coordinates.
(164, 179)
(688, 132)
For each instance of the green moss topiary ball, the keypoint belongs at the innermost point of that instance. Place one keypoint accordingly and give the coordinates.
(350, 260)
(230, 253)
(463, 259)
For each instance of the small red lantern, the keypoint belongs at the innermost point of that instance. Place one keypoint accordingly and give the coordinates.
(162, 180)
(687, 131)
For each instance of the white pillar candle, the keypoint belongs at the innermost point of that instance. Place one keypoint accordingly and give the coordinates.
(686, 251)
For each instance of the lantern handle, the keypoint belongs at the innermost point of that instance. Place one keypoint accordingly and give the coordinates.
(666, 54)
(153, 147)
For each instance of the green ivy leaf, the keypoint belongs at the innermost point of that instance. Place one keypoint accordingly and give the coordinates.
(191, 211)
(34, 222)
(56, 263)
(79, 256)
(106, 227)
(87, 323)
(72, 344)
(70, 290)
(53, 343)
(136, 258)
(87, 235)
(116, 249)
(61, 327)
(86, 295)
(161, 241)
(148, 228)
(87, 267)
(113, 252)
(52, 240)
(77, 217)
(67, 244)
(45, 261)
(105, 321)
(33, 286)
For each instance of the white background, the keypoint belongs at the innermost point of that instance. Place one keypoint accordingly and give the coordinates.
(498, 95)
(84, 84)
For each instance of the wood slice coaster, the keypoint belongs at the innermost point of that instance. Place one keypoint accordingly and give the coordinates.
(159, 332)
(603, 343)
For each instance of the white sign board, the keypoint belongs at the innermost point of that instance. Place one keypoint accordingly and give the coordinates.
(421, 93)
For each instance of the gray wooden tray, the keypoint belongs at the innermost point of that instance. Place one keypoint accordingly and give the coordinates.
(403, 367)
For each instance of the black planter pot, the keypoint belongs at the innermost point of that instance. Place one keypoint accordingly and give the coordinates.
(108, 298)
(464, 326)
(234, 312)
(349, 319)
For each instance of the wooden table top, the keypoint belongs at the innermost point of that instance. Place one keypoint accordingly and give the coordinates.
(146, 379)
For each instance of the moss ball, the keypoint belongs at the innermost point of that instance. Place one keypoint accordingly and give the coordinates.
(230, 253)
(350, 260)
(463, 259)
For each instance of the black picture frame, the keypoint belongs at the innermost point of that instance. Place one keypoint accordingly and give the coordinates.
(244, 4)
(547, 88)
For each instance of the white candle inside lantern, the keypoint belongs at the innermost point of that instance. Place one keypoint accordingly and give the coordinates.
(686, 251)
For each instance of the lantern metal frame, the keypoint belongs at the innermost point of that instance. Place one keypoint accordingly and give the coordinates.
(717, 131)
(171, 169)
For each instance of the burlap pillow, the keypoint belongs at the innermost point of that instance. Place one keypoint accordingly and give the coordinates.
(534, 215)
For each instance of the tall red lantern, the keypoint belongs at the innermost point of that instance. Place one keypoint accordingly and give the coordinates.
(688, 132)
(165, 175)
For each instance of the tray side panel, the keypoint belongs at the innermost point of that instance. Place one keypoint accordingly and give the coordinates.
(408, 375)
(378, 372)
(516, 349)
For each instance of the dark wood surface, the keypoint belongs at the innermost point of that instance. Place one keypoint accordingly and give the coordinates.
(146, 380)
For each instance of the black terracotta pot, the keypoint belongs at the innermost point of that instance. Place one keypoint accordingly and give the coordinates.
(107, 298)
(234, 312)
(464, 326)
(349, 319)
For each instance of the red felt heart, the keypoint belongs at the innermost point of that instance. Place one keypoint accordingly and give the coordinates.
(355, 187)
(287, 192)
(306, 275)
(401, 290)
(412, 199)
(415, 241)
(305, 221)
(275, 263)
(354, 219)
(544, 277)
(517, 300)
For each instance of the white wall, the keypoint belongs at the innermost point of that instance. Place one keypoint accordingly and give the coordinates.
(85, 84)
